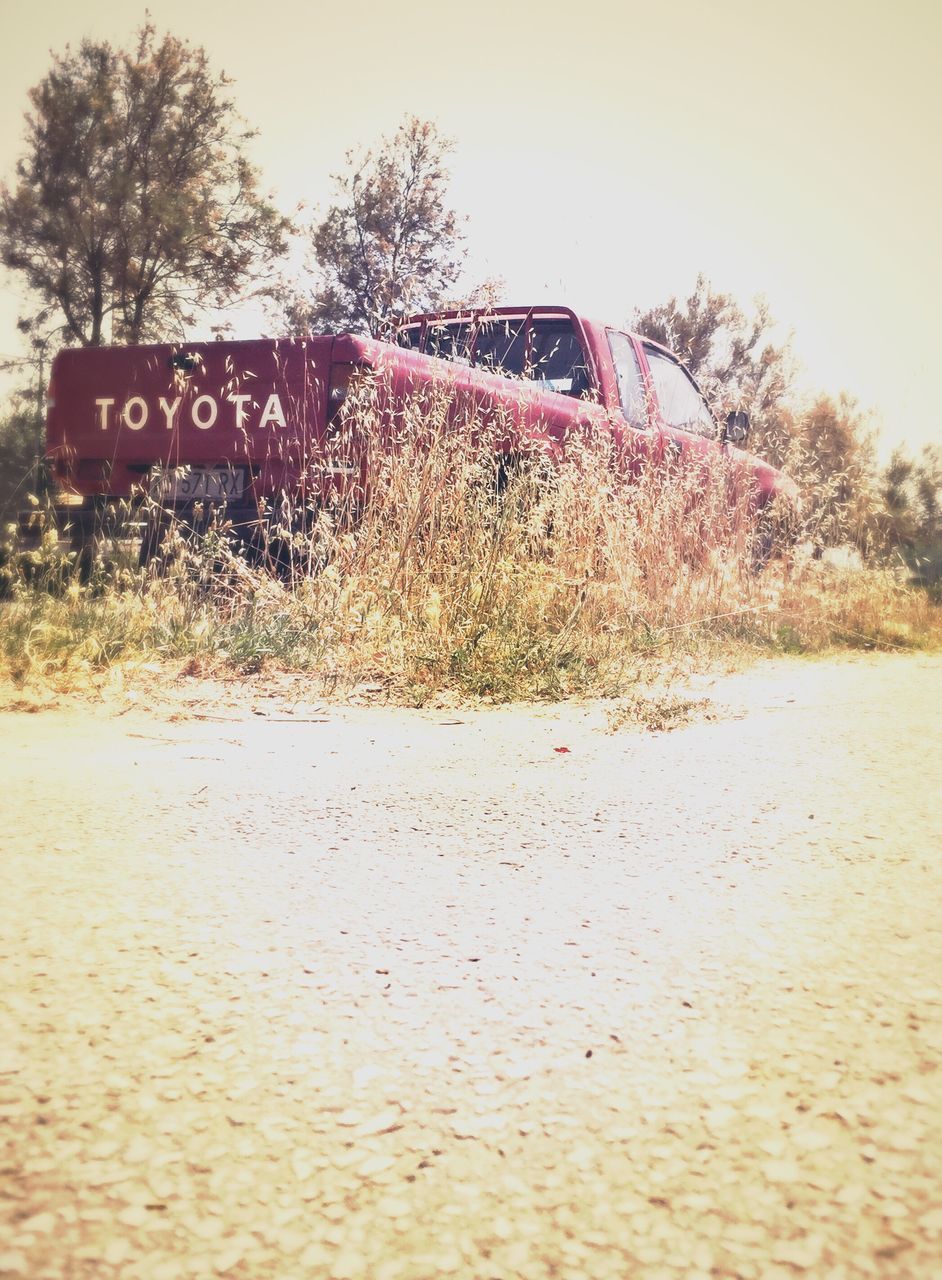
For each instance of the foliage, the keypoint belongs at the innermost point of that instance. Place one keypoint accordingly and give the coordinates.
(912, 496)
(831, 453)
(911, 519)
(21, 469)
(390, 243)
(134, 199)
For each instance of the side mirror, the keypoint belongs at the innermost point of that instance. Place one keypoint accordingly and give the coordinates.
(736, 427)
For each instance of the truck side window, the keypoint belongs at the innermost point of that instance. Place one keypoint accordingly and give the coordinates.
(628, 376)
(678, 396)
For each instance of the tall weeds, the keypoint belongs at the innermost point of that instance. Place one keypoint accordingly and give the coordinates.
(457, 569)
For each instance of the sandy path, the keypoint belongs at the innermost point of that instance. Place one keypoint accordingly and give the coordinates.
(379, 994)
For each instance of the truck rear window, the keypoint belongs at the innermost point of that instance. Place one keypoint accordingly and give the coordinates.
(557, 358)
(410, 336)
(545, 350)
(501, 345)
(448, 342)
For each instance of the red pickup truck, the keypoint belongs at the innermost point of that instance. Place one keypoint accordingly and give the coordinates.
(237, 423)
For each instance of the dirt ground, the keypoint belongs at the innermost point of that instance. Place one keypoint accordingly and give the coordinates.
(300, 990)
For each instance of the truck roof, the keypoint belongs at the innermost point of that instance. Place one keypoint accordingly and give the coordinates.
(543, 310)
(477, 313)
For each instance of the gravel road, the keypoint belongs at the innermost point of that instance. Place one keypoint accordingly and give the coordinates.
(355, 992)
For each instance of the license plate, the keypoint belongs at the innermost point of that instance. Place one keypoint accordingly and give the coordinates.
(192, 484)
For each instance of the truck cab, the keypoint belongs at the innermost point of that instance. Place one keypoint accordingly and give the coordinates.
(644, 388)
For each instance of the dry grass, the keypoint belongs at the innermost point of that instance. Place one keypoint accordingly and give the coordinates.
(548, 581)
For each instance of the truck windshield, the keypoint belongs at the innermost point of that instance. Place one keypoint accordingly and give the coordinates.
(679, 398)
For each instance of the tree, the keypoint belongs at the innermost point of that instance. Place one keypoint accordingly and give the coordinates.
(390, 243)
(928, 477)
(912, 498)
(21, 467)
(134, 198)
(832, 456)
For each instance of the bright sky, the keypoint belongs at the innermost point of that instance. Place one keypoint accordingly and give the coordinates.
(607, 153)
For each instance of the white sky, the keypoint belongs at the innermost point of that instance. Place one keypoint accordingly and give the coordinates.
(607, 153)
